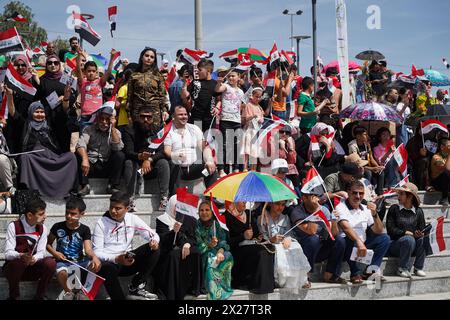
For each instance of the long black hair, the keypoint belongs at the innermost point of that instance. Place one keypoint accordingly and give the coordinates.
(154, 66)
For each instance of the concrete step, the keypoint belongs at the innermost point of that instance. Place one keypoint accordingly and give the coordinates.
(100, 203)
(436, 283)
(98, 186)
(393, 287)
(427, 296)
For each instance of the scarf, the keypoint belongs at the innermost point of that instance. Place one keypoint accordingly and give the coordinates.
(40, 128)
(53, 75)
(20, 57)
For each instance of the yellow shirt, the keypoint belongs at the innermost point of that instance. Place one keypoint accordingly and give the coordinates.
(123, 116)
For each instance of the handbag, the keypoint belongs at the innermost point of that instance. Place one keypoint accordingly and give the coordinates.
(21, 198)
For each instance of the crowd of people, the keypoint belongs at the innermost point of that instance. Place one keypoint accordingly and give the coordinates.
(139, 124)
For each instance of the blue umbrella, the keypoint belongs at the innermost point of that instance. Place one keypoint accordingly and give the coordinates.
(437, 79)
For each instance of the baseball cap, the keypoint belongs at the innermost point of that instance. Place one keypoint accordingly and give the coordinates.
(279, 165)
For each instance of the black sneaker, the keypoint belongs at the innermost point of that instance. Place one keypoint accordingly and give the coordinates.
(84, 191)
(112, 189)
(140, 293)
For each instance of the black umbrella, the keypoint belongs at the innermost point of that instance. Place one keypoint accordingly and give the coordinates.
(369, 55)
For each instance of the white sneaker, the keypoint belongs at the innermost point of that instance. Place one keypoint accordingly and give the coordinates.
(141, 293)
(403, 273)
(68, 295)
(419, 273)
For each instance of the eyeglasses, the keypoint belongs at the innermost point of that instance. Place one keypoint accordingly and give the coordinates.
(56, 63)
(145, 116)
(355, 193)
(21, 65)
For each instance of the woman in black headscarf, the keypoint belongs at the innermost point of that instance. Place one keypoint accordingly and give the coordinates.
(59, 116)
(49, 171)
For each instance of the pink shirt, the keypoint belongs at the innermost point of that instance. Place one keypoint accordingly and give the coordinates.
(378, 152)
(250, 110)
(91, 96)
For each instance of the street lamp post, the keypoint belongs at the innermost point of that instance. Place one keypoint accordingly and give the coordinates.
(314, 25)
(297, 13)
(298, 38)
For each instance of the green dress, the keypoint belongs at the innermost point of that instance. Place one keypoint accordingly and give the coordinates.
(217, 278)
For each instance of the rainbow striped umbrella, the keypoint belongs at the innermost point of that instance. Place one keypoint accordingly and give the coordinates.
(251, 187)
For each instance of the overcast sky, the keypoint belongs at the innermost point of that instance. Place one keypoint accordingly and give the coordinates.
(412, 31)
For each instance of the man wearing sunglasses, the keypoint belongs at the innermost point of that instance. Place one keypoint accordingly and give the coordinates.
(152, 163)
(355, 219)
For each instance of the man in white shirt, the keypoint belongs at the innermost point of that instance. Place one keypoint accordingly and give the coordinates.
(26, 240)
(112, 240)
(184, 145)
(355, 220)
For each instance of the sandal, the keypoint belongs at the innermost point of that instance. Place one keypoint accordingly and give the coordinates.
(307, 284)
(366, 276)
(356, 279)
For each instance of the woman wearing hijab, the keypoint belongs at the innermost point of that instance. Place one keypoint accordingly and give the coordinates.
(51, 173)
(326, 155)
(217, 260)
(146, 87)
(57, 116)
(178, 272)
(253, 268)
(21, 101)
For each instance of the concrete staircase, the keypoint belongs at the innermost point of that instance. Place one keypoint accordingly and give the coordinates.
(436, 286)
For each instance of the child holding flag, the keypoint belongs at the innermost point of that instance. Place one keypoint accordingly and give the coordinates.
(73, 239)
(26, 239)
(217, 260)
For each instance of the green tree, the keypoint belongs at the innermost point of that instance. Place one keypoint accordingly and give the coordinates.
(61, 44)
(30, 31)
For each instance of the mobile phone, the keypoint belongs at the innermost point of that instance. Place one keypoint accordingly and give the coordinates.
(205, 172)
(129, 255)
(427, 228)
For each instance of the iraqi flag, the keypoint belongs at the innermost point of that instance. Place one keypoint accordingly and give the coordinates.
(112, 14)
(84, 29)
(434, 241)
(401, 157)
(155, 142)
(10, 41)
(90, 282)
(287, 57)
(220, 217)
(32, 237)
(313, 180)
(267, 128)
(16, 82)
(187, 203)
(431, 124)
(17, 17)
(211, 143)
(315, 147)
(270, 83)
(319, 216)
(171, 77)
(4, 108)
(275, 59)
(391, 192)
(194, 56)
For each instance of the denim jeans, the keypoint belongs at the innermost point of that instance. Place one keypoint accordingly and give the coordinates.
(378, 243)
(317, 250)
(405, 248)
(280, 114)
(391, 174)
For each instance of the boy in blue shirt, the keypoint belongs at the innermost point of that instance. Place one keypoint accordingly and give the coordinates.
(73, 242)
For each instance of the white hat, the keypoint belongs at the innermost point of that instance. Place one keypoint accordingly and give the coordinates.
(278, 164)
